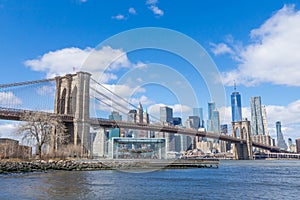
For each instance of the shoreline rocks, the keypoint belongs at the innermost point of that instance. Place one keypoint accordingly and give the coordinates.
(81, 165)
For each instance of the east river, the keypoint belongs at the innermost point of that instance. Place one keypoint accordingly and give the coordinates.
(258, 179)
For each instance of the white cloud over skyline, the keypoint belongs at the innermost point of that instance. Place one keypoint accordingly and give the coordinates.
(9, 98)
(274, 47)
(69, 60)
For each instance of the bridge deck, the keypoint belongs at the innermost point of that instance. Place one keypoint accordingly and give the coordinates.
(16, 114)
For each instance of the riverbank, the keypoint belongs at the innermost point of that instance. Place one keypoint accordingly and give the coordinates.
(84, 165)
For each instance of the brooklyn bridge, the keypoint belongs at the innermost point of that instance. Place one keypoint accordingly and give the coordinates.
(73, 94)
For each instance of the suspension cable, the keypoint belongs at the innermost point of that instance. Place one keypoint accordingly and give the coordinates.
(125, 100)
(25, 83)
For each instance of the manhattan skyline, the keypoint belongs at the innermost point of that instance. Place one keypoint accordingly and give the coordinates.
(256, 44)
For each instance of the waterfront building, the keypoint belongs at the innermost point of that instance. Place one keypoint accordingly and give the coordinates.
(180, 143)
(236, 106)
(298, 145)
(256, 116)
(166, 117)
(114, 132)
(280, 140)
(10, 148)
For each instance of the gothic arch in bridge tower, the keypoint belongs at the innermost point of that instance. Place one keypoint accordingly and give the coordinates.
(73, 98)
(243, 150)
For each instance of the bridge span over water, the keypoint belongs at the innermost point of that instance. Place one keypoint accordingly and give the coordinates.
(72, 105)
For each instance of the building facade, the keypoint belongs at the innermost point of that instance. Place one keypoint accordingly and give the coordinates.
(280, 140)
(256, 116)
(166, 114)
(298, 145)
(213, 122)
(199, 112)
(236, 106)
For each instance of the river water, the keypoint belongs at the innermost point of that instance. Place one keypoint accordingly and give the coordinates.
(258, 179)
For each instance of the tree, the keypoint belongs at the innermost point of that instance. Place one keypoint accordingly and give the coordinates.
(43, 128)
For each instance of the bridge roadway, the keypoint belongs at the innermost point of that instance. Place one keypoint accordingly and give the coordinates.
(16, 114)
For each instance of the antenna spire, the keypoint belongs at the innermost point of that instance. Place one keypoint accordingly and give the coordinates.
(234, 83)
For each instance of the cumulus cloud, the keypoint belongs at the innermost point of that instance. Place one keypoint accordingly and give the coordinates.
(46, 90)
(119, 17)
(69, 60)
(274, 47)
(150, 2)
(9, 98)
(156, 10)
(222, 48)
(9, 129)
(152, 5)
(132, 11)
(178, 109)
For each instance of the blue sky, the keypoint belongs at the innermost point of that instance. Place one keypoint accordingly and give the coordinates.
(255, 43)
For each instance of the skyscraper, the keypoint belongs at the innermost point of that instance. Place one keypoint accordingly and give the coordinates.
(280, 140)
(211, 108)
(166, 114)
(213, 122)
(265, 121)
(194, 122)
(140, 114)
(256, 116)
(199, 112)
(236, 106)
(298, 145)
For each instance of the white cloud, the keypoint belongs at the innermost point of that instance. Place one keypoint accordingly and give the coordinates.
(150, 2)
(274, 48)
(222, 48)
(59, 62)
(178, 109)
(156, 10)
(8, 98)
(225, 114)
(9, 130)
(132, 11)
(69, 60)
(152, 5)
(119, 17)
(144, 100)
(46, 90)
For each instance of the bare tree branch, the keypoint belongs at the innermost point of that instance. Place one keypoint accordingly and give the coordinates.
(44, 129)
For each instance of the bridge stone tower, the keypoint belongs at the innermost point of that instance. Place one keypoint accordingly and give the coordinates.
(241, 129)
(73, 98)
